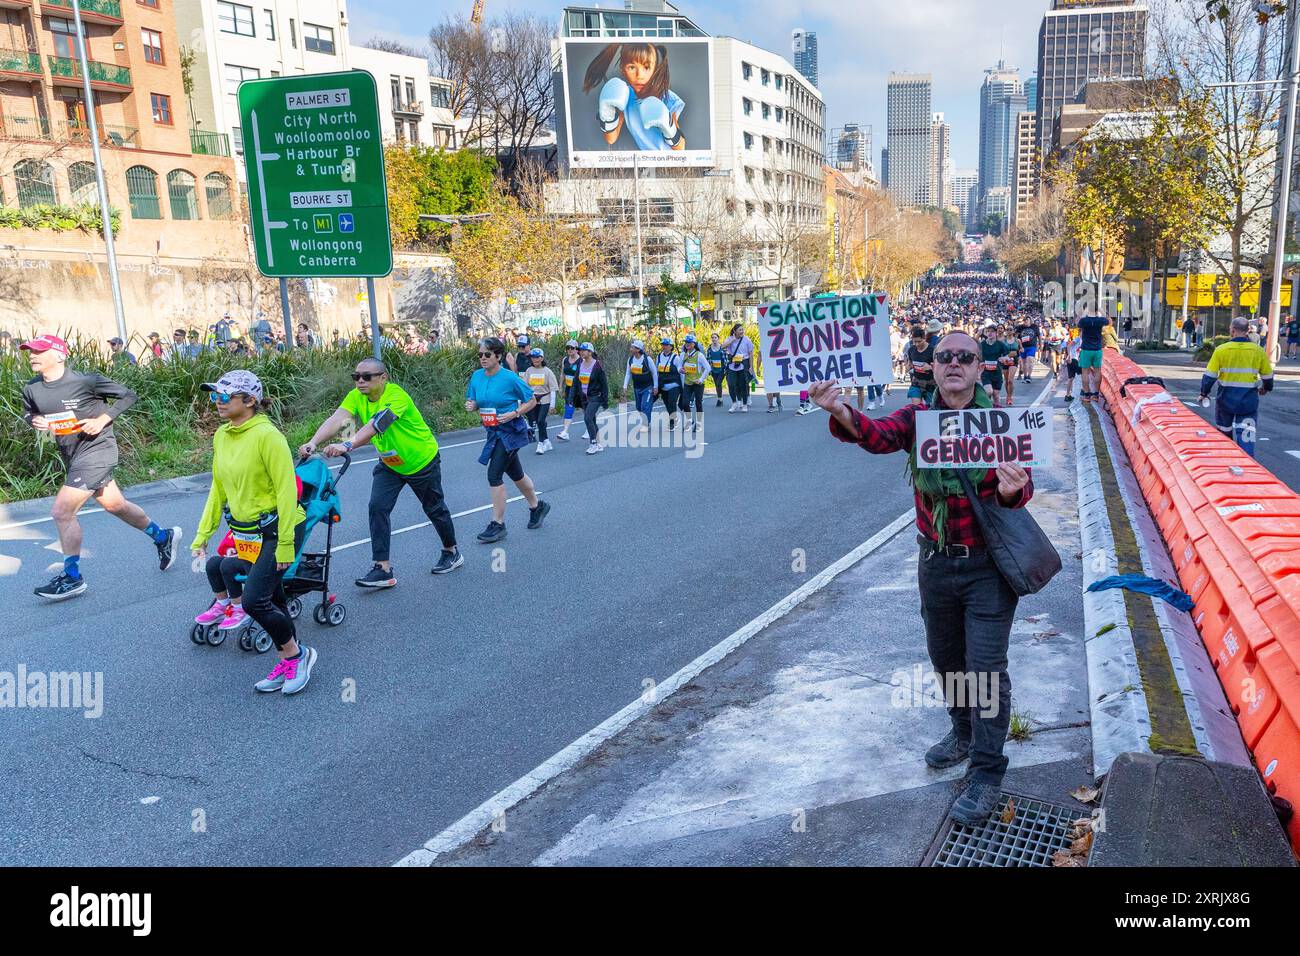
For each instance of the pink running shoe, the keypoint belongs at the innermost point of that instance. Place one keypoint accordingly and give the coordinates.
(212, 614)
(234, 619)
(275, 680)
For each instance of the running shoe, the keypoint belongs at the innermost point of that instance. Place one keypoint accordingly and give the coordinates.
(61, 587)
(537, 515)
(274, 680)
(541, 448)
(719, 405)
(771, 409)
(448, 561)
(377, 577)
(735, 406)
(584, 434)
(495, 531)
(234, 619)
(1069, 398)
(744, 408)
(213, 614)
(167, 549)
(695, 427)
(298, 670)
(562, 435)
(595, 448)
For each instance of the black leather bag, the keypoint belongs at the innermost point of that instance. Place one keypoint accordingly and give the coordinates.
(1020, 549)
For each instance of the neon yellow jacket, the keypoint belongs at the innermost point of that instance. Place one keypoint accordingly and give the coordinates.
(1241, 368)
(252, 474)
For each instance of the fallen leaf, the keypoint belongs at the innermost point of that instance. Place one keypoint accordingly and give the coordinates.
(1063, 858)
(1009, 813)
(1085, 793)
(1082, 845)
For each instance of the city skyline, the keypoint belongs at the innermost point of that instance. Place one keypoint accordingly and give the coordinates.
(852, 84)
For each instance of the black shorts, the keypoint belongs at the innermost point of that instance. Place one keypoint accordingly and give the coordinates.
(503, 462)
(1073, 368)
(90, 472)
(992, 379)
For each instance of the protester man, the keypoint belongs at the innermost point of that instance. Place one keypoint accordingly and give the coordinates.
(74, 409)
(408, 457)
(966, 604)
(1243, 371)
(1090, 345)
(119, 354)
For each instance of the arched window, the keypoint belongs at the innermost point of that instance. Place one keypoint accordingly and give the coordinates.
(35, 181)
(180, 187)
(81, 183)
(142, 191)
(217, 187)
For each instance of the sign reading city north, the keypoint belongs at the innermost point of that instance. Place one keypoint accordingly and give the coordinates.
(984, 437)
(844, 338)
(317, 197)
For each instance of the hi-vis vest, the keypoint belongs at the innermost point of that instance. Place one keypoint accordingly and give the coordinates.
(695, 367)
(1239, 366)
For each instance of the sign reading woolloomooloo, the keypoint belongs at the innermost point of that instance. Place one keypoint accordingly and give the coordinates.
(844, 339)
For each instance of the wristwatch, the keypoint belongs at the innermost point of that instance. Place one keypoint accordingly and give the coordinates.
(347, 445)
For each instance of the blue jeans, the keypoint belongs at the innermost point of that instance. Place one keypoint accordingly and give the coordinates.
(968, 608)
(645, 401)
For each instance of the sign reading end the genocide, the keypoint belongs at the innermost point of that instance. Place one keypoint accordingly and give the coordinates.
(317, 196)
(844, 338)
(984, 437)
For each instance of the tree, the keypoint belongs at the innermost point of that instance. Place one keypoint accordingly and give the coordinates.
(426, 180)
(391, 46)
(666, 300)
(1038, 239)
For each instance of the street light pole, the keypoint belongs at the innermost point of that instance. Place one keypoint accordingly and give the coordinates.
(105, 211)
(1284, 183)
(640, 258)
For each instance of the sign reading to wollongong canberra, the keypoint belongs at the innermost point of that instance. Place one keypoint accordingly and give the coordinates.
(844, 338)
(317, 198)
(984, 437)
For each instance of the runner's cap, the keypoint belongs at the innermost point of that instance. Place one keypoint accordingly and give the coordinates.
(665, 341)
(536, 353)
(239, 380)
(46, 343)
(523, 340)
(571, 344)
(690, 337)
(115, 341)
(934, 325)
(638, 344)
(587, 347)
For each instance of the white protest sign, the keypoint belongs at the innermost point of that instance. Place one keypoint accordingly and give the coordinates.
(843, 338)
(984, 437)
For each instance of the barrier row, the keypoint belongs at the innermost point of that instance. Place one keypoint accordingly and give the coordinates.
(1233, 531)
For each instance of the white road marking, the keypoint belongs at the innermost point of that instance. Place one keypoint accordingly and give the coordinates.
(423, 524)
(482, 816)
(1294, 454)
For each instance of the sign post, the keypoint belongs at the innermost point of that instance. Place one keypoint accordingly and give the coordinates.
(317, 194)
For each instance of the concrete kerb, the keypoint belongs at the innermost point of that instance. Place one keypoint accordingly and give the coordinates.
(1214, 728)
(1121, 721)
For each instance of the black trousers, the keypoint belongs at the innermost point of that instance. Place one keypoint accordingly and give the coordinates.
(693, 393)
(537, 415)
(672, 397)
(968, 608)
(718, 378)
(264, 598)
(427, 485)
(739, 384)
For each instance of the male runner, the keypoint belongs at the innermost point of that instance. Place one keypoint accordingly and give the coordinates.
(73, 408)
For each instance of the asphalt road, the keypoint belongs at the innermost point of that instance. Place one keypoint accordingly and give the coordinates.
(1277, 447)
(462, 683)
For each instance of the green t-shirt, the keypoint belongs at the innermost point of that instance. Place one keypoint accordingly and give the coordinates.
(991, 352)
(405, 444)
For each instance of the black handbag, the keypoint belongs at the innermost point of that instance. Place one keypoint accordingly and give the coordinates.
(1022, 552)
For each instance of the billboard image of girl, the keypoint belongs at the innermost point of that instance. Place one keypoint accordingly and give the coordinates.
(638, 98)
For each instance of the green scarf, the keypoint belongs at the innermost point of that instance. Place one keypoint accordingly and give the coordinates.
(937, 484)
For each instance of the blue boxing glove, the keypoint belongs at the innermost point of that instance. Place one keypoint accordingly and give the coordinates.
(655, 115)
(613, 102)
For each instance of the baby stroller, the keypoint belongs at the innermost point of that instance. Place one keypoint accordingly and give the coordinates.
(309, 573)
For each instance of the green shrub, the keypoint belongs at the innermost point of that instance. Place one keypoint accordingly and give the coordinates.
(1207, 347)
(62, 218)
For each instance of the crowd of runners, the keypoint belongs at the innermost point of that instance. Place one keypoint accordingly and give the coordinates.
(255, 492)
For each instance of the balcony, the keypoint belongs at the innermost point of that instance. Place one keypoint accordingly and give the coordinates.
(209, 144)
(65, 71)
(92, 11)
(408, 109)
(24, 127)
(118, 137)
(23, 62)
(16, 4)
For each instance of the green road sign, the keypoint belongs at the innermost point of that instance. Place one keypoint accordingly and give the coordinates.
(1291, 258)
(317, 198)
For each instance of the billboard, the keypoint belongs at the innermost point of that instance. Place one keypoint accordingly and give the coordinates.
(646, 98)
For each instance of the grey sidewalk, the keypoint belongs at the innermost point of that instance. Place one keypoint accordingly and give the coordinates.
(801, 747)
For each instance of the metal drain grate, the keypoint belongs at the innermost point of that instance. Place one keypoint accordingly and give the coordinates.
(1035, 832)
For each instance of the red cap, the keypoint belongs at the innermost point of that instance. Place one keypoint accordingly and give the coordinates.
(43, 343)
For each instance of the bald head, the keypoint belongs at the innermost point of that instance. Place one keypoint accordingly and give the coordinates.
(957, 340)
(371, 365)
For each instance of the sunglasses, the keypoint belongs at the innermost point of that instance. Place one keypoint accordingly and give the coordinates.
(486, 354)
(947, 357)
(365, 376)
(223, 398)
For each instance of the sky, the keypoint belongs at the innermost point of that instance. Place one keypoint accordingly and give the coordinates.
(860, 42)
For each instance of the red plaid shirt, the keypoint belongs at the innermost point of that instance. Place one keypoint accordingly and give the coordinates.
(897, 432)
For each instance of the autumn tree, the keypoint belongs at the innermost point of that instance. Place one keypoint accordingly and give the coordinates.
(423, 180)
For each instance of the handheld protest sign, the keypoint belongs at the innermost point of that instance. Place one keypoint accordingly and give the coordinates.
(984, 437)
(826, 339)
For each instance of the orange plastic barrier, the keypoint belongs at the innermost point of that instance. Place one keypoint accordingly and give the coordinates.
(1233, 531)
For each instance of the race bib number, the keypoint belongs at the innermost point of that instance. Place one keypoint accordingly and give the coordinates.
(637, 366)
(248, 545)
(665, 366)
(63, 423)
(716, 363)
(390, 458)
(568, 380)
(990, 366)
(488, 417)
(536, 379)
(584, 379)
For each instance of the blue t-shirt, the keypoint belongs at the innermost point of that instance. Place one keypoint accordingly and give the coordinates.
(1090, 332)
(650, 139)
(505, 391)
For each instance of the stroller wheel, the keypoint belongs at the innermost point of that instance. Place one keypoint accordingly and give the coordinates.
(246, 639)
(320, 614)
(295, 608)
(215, 635)
(197, 635)
(337, 614)
(262, 641)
